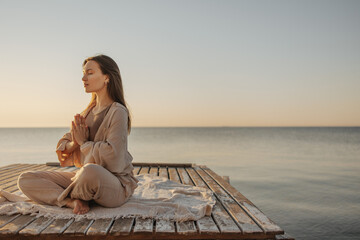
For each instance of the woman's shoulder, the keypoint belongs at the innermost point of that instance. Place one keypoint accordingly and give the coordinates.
(119, 106)
(119, 111)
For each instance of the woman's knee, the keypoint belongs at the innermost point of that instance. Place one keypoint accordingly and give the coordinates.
(112, 197)
(89, 172)
(24, 180)
(91, 167)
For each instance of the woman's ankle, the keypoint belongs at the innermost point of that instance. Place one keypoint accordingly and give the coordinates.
(69, 202)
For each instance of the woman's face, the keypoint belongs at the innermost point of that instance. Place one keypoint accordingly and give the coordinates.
(94, 79)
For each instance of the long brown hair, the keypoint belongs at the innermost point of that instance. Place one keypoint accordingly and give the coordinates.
(114, 87)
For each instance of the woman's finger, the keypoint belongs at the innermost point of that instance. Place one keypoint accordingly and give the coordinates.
(83, 121)
(76, 127)
(77, 120)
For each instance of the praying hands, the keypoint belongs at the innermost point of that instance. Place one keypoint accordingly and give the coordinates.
(79, 130)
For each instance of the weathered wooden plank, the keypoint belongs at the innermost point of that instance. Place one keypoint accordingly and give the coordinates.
(143, 164)
(187, 227)
(153, 171)
(136, 170)
(9, 168)
(35, 227)
(37, 167)
(11, 181)
(78, 227)
(173, 175)
(30, 230)
(185, 179)
(16, 172)
(119, 227)
(68, 169)
(222, 219)
(17, 224)
(165, 226)
(266, 224)
(244, 221)
(144, 170)
(162, 226)
(205, 224)
(5, 219)
(163, 172)
(143, 225)
(58, 226)
(122, 226)
(12, 186)
(100, 227)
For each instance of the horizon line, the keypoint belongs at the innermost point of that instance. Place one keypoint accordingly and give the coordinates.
(300, 126)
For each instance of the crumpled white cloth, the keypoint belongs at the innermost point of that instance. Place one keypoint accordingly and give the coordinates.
(155, 197)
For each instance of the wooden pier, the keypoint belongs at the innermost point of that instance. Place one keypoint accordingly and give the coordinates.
(233, 216)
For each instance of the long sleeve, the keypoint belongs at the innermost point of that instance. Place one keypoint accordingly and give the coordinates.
(112, 152)
(62, 142)
(61, 145)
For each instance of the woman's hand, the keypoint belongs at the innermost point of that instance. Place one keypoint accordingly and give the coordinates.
(79, 130)
(65, 161)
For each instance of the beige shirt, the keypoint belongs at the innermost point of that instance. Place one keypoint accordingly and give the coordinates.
(93, 121)
(108, 148)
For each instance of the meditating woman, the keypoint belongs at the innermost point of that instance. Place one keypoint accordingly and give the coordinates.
(96, 143)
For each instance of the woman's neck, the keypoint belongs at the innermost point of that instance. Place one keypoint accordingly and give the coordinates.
(103, 99)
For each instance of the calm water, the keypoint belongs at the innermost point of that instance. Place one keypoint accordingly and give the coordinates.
(307, 180)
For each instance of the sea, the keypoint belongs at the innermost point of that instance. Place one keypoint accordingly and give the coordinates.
(305, 179)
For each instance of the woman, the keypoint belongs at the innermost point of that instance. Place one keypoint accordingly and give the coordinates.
(96, 143)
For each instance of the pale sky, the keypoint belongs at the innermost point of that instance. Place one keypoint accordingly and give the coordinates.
(185, 62)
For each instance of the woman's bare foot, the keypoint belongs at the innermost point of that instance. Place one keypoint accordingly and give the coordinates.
(79, 206)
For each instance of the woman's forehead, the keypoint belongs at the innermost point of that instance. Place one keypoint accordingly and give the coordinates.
(91, 65)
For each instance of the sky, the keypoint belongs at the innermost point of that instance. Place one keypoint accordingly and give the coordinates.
(185, 62)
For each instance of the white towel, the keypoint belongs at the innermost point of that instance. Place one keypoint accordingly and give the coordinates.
(155, 197)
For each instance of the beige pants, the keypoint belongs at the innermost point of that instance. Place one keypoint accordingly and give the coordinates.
(92, 182)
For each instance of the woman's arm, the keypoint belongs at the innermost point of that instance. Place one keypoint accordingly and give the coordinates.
(70, 147)
(110, 153)
(65, 147)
